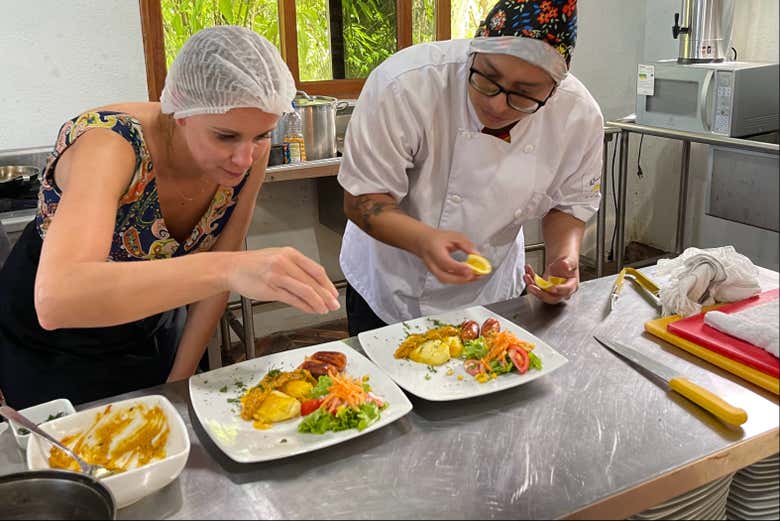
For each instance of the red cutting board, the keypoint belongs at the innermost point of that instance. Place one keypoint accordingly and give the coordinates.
(694, 329)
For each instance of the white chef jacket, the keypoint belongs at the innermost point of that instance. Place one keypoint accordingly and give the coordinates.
(414, 134)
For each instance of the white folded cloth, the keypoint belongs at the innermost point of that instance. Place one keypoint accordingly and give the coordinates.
(705, 277)
(758, 325)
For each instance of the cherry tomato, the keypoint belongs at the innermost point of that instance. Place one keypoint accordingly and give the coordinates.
(519, 357)
(490, 326)
(309, 406)
(472, 367)
(469, 330)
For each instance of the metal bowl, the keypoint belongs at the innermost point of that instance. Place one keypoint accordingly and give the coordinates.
(10, 173)
(54, 494)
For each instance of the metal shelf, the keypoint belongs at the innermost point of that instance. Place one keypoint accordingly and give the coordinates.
(306, 170)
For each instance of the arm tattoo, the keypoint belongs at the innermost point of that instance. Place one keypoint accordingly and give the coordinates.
(365, 208)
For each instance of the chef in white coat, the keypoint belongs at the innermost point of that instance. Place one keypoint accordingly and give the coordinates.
(453, 146)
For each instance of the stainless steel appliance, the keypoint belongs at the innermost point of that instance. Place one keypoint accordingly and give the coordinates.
(744, 186)
(319, 124)
(704, 30)
(735, 99)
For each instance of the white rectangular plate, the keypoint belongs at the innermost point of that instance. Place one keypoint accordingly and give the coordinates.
(418, 379)
(243, 443)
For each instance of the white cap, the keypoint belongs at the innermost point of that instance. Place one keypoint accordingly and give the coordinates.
(534, 51)
(227, 67)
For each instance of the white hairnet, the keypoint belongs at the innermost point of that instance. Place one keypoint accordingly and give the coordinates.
(226, 67)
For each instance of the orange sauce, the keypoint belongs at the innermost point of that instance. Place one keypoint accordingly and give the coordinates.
(109, 443)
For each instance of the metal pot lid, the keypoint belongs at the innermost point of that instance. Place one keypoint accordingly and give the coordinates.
(311, 101)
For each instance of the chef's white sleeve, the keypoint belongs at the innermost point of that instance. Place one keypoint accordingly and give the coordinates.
(381, 139)
(580, 193)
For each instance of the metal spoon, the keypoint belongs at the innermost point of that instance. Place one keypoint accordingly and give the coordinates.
(96, 471)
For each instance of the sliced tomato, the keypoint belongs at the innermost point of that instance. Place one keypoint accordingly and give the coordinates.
(472, 367)
(519, 357)
(309, 406)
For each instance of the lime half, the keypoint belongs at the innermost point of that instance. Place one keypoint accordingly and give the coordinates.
(547, 284)
(479, 264)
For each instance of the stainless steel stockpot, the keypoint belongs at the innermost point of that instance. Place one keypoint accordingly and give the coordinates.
(319, 124)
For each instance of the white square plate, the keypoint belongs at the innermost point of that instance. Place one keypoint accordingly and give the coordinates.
(243, 443)
(418, 379)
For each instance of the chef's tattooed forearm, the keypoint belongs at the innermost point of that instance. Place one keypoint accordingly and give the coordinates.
(365, 207)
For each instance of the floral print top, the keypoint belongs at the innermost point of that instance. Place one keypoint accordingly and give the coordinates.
(139, 230)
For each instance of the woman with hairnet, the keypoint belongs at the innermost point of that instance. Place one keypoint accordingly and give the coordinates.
(173, 183)
(453, 146)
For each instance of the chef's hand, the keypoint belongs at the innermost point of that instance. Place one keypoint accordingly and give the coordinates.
(435, 248)
(284, 275)
(563, 267)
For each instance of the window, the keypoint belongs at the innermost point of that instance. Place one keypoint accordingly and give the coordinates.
(182, 18)
(466, 16)
(423, 21)
(330, 45)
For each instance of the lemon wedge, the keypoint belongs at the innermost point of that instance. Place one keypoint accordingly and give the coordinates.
(479, 264)
(547, 284)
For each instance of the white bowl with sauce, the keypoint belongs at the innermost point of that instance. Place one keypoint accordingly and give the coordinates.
(136, 482)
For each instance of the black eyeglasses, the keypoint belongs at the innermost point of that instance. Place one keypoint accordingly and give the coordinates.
(515, 100)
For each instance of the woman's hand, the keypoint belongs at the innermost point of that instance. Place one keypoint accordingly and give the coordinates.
(435, 248)
(284, 275)
(563, 267)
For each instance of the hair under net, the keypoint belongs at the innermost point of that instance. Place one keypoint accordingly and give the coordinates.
(227, 67)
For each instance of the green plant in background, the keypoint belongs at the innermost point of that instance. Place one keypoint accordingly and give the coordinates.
(369, 35)
(466, 16)
(183, 18)
(423, 21)
(369, 28)
(312, 24)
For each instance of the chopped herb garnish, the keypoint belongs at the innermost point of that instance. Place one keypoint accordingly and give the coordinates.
(439, 323)
(234, 400)
(283, 440)
(223, 389)
(55, 416)
(427, 376)
(273, 373)
(432, 369)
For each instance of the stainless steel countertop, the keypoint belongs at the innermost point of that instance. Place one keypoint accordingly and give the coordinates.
(594, 439)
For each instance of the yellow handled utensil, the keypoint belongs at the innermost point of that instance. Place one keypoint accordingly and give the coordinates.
(650, 288)
(695, 393)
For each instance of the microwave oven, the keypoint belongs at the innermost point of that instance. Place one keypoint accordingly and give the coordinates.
(734, 99)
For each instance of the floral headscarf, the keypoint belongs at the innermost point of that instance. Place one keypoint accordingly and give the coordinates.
(542, 32)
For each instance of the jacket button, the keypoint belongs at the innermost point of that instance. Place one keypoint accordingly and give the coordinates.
(528, 149)
(456, 198)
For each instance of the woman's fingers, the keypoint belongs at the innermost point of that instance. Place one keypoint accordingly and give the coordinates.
(317, 272)
(305, 270)
(298, 294)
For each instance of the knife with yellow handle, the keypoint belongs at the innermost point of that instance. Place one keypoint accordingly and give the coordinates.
(695, 393)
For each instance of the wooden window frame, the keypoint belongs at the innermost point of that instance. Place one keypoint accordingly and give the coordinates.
(154, 45)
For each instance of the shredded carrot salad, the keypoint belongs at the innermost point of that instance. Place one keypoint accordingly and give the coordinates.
(499, 346)
(344, 391)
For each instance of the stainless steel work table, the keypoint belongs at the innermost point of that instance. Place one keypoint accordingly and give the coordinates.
(595, 439)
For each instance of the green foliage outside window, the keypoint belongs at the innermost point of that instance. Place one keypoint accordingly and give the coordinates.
(423, 21)
(466, 16)
(183, 18)
(369, 28)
